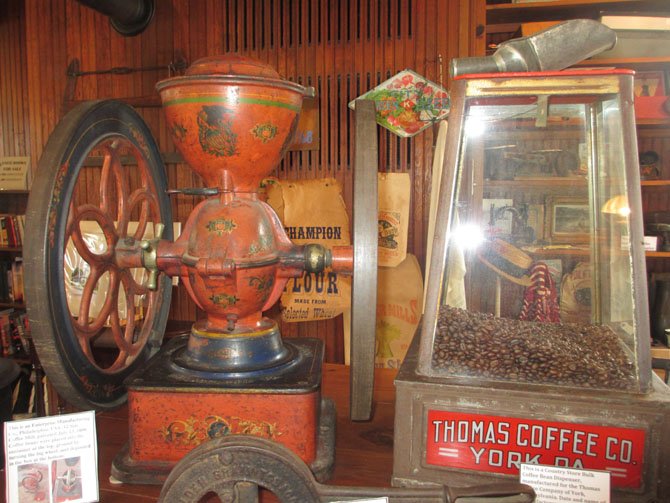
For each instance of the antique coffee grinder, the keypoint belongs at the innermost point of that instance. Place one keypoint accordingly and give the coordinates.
(101, 202)
(544, 361)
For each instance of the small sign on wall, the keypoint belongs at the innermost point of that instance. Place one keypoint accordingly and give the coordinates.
(14, 173)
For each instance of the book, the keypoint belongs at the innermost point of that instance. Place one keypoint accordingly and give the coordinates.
(5, 267)
(17, 334)
(6, 332)
(21, 227)
(4, 234)
(23, 328)
(17, 280)
(634, 22)
(12, 235)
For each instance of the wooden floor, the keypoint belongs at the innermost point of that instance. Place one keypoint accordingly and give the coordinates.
(363, 451)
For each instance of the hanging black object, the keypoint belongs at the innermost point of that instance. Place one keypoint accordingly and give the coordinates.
(127, 17)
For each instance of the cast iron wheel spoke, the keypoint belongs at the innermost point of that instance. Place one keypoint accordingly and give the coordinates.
(129, 288)
(138, 288)
(123, 347)
(73, 230)
(148, 206)
(109, 176)
(78, 207)
(87, 297)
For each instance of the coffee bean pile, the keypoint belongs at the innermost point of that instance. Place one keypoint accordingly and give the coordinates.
(480, 345)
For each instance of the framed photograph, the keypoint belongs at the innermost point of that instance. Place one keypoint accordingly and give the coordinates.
(649, 84)
(568, 219)
(536, 220)
(498, 223)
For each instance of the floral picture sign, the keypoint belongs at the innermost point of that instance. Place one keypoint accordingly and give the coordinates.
(407, 103)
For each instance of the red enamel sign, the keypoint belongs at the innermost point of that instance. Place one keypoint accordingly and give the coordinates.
(500, 444)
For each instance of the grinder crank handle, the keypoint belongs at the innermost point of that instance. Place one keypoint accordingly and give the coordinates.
(502, 492)
(233, 467)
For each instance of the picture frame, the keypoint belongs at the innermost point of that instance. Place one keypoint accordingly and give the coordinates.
(648, 84)
(536, 220)
(497, 226)
(568, 219)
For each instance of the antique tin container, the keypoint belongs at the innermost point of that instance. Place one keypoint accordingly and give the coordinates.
(534, 345)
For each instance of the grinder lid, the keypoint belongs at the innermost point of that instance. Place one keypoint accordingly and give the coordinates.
(232, 64)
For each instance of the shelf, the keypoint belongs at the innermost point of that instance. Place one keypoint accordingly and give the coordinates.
(655, 183)
(15, 305)
(652, 123)
(554, 181)
(579, 252)
(21, 360)
(657, 254)
(557, 251)
(10, 249)
(631, 63)
(14, 192)
(566, 9)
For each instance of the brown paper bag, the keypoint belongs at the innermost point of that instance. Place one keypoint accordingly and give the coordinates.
(394, 194)
(399, 307)
(313, 212)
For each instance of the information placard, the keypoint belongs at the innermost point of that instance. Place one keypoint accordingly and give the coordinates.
(554, 484)
(14, 173)
(52, 459)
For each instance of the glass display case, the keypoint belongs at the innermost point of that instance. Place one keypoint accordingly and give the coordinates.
(539, 281)
(534, 345)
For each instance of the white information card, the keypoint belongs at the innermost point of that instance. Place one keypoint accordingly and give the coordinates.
(52, 459)
(554, 484)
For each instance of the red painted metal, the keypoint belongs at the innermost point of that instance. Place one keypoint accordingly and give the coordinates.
(232, 118)
(166, 426)
(577, 72)
(499, 444)
(118, 206)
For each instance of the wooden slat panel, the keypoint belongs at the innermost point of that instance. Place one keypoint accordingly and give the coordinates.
(11, 17)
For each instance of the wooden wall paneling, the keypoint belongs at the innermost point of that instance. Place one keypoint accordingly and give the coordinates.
(214, 27)
(251, 13)
(264, 21)
(89, 29)
(6, 97)
(5, 84)
(11, 53)
(181, 27)
(24, 125)
(477, 44)
(166, 51)
(37, 82)
(14, 136)
(148, 43)
(198, 36)
(9, 17)
(32, 116)
(103, 59)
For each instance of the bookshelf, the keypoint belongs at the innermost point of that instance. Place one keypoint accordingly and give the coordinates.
(14, 327)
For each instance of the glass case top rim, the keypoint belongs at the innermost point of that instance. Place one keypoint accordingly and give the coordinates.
(584, 72)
